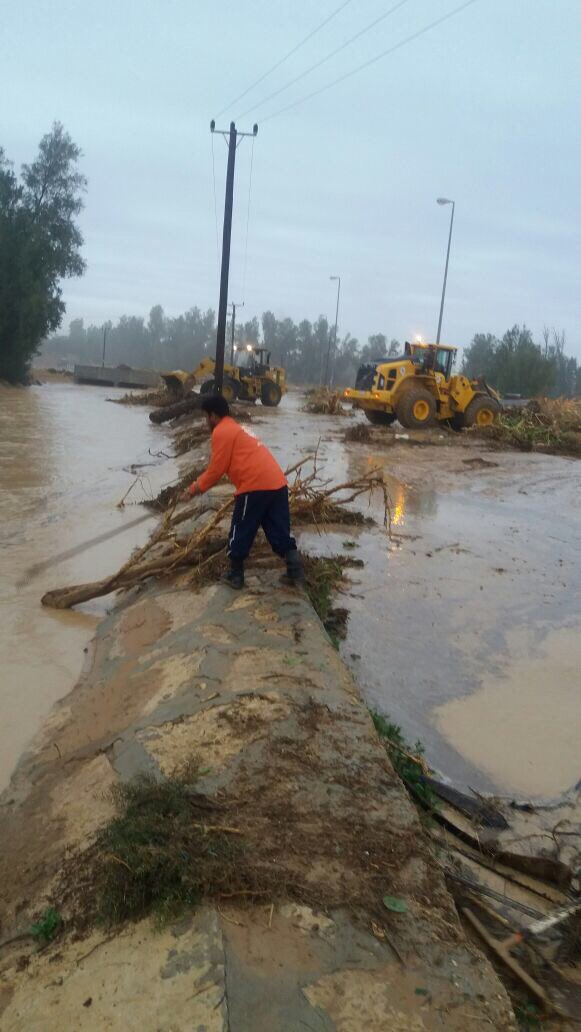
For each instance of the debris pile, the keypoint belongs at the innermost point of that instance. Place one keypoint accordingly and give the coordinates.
(312, 501)
(514, 874)
(168, 496)
(190, 436)
(192, 430)
(545, 424)
(191, 404)
(322, 401)
(156, 397)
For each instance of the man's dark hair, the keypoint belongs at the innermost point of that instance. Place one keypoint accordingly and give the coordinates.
(216, 405)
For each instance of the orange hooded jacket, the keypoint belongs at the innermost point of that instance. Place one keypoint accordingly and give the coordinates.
(244, 459)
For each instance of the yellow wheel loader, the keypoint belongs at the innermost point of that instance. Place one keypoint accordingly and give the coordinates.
(420, 389)
(257, 379)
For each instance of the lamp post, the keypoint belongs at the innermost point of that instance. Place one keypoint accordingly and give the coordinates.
(338, 281)
(444, 200)
(235, 305)
(104, 346)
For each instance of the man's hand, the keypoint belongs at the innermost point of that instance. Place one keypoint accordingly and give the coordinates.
(189, 493)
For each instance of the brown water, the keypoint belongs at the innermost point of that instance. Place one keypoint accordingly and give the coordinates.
(65, 463)
(466, 628)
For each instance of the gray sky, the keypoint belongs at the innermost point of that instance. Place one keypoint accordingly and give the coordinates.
(484, 109)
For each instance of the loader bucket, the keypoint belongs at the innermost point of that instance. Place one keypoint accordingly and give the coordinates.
(176, 381)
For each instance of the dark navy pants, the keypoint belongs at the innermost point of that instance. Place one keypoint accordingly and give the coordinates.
(266, 509)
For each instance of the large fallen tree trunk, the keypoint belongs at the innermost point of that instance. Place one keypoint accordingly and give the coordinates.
(179, 408)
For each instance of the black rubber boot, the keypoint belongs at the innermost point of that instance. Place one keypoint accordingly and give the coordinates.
(234, 577)
(294, 569)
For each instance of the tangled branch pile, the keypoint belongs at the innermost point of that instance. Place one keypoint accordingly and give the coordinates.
(322, 401)
(157, 397)
(190, 437)
(168, 496)
(546, 424)
(312, 501)
(193, 430)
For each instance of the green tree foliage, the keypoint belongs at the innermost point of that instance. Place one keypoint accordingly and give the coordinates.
(516, 364)
(160, 343)
(39, 246)
(513, 363)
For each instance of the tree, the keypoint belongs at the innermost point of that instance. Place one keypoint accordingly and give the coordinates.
(377, 345)
(515, 364)
(252, 331)
(479, 356)
(40, 245)
(346, 361)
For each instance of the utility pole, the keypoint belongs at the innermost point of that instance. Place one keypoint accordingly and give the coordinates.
(231, 138)
(104, 346)
(235, 305)
(338, 278)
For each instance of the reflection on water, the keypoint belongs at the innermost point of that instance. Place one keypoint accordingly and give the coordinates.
(404, 500)
(63, 450)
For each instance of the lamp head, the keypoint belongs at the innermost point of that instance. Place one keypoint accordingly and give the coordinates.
(444, 200)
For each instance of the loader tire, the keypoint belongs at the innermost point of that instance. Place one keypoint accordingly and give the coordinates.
(270, 394)
(229, 389)
(416, 410)
(379, 418)
(482, 411)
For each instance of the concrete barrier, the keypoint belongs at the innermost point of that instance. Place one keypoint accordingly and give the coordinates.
(120, 376)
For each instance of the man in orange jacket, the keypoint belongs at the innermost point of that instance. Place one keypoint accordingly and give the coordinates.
(261, 492)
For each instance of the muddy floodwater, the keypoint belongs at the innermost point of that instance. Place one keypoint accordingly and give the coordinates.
(465, 624)
(466, 627)
(66, 457)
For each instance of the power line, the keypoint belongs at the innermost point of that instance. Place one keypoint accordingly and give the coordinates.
(373, 60)
(286, 56)
(328, 57)
(247, 223)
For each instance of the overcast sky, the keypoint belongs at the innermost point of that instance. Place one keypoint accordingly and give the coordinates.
(484, 108)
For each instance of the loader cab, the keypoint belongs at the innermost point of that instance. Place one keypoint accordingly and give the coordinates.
(260, 361)
(253, 359)
(432, 358)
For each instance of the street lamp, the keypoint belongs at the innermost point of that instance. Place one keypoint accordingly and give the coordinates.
(104, 345)
(235, 305)
(337, 279)
(444, 200)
